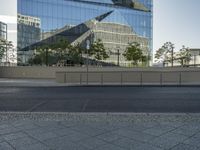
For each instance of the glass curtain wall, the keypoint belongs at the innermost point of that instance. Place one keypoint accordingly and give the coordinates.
(3, 31)
(45, 17)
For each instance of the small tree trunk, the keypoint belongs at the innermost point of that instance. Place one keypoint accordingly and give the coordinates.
(46, 57)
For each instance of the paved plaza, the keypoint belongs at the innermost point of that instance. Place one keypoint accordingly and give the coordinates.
(43, 115)
(102, 131)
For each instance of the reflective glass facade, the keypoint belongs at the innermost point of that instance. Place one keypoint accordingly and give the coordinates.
(3, 31)
(127, 20)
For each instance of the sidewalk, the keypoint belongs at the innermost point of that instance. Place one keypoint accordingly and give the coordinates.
(29, 82)
(6, 82)
(99, 131)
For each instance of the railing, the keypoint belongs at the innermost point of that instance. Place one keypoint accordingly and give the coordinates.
(130, 78)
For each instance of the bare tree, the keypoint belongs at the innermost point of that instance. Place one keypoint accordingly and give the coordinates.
(166, 53)
(184, 56)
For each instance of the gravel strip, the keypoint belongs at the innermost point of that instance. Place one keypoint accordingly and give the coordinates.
(98, 117)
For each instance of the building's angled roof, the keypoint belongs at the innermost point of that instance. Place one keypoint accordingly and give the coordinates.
(71, 34)
(194, 49)
(132, 4)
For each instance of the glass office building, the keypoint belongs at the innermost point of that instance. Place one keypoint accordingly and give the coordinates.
(116, 22)
(3, 31)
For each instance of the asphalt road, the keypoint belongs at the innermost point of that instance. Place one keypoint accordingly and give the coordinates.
(100, 99)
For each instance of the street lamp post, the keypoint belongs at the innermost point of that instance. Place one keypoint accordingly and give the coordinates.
(172, 55)
(6, 54)
(6, 45)
(46, 53)
(87, 47)
(194, 60)
(118, 54)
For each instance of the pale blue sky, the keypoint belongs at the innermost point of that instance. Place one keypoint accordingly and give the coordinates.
(177, 21)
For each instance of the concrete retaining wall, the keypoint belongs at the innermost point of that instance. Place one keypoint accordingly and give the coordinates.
(131, 78)
(33, 72)
(107, 75)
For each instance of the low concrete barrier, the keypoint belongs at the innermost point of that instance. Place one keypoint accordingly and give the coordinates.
(107, 75)
(35, 72)
(60, 77)
(150, 77)
(171, 78)
(190, 77)
(130, 78)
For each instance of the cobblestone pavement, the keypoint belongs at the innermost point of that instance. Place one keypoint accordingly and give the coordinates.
(102, 131)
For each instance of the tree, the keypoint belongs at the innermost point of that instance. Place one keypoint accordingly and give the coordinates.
(134, 53)
(10, 52)
(8, 47)
(2, 48)
(35, 60)
(42, 55)
(145, 60)
(166, 53)
(66, 52)
(75, 54)
(98, 51)
(49, 54)
(184, 56)
(59, 53)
